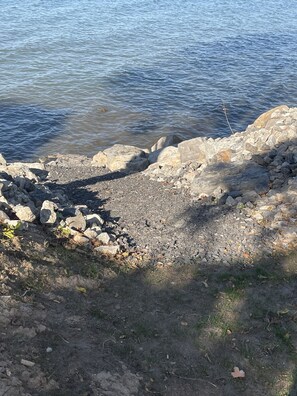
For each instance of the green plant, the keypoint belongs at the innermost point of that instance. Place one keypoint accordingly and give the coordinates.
(63, 232)
(9, 230)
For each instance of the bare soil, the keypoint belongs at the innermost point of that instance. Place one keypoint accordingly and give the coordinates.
(143, 324)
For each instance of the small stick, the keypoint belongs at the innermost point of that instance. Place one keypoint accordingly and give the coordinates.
(226, 116)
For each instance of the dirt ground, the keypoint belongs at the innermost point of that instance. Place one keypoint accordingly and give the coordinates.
(194, 299)
(73, 323)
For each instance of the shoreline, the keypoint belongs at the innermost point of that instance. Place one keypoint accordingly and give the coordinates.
(129, 282)
(252, 175)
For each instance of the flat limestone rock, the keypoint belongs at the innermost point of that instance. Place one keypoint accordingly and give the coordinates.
(122, 158)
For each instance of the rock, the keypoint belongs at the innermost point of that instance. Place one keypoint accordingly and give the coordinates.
(91, 233)
(4, 185)
(122, 158)
(25, 213)
(166, 141)
(107, 250)
(47, 213)
(223, 156)
(40, 194)
(27, 363)
(250, 196)
(230, 201)
(21, 170)
(193, 150)
(100, 159)
(2, 160)
(77, 222)
(167, 156)
(228, 177)
(94, 219)
(265, 117)
(3, 216)
(104, 238)
(80, 239)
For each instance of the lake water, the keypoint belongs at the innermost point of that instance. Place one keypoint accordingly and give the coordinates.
(79, 75)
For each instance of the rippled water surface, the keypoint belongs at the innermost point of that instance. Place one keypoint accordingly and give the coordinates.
(79, 75)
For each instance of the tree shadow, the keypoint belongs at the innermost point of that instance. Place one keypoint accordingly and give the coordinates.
(180, 329)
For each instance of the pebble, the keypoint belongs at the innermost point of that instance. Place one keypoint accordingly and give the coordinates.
(27, 363)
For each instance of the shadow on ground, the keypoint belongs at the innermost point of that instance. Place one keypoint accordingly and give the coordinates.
(126, 327)
(164, 330)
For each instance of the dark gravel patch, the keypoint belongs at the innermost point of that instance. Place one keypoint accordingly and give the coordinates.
(156, 217)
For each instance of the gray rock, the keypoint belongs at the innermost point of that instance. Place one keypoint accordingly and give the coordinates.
(40, 194)
(48, 213)
(80, 239)
(107, 250)
(70, 211)
(122, 158)
(230, 201)
(91, 233)
(21, 170)
(3, 216)
(94, 219)
(193, 150)
(104, 238)
(24, 183)
(2, 160)
(166, 141)
(25, 213)
(167, 156)
(4, 185)
(250, 196)
(77, 222)
(228, 177)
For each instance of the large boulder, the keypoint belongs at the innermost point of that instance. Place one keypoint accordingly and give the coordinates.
(225, 178)
(166, 141)
(262, 120)
(122, 158)
(167, 156)
(193, 150)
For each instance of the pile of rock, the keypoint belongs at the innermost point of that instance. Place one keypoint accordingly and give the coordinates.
(26, 199)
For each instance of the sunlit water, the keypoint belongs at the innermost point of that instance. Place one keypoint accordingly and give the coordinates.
(79, 75)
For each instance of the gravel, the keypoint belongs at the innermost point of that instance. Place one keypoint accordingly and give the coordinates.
(158, 219)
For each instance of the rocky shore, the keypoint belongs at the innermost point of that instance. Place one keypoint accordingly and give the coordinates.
(177, 200)
(169, 279)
